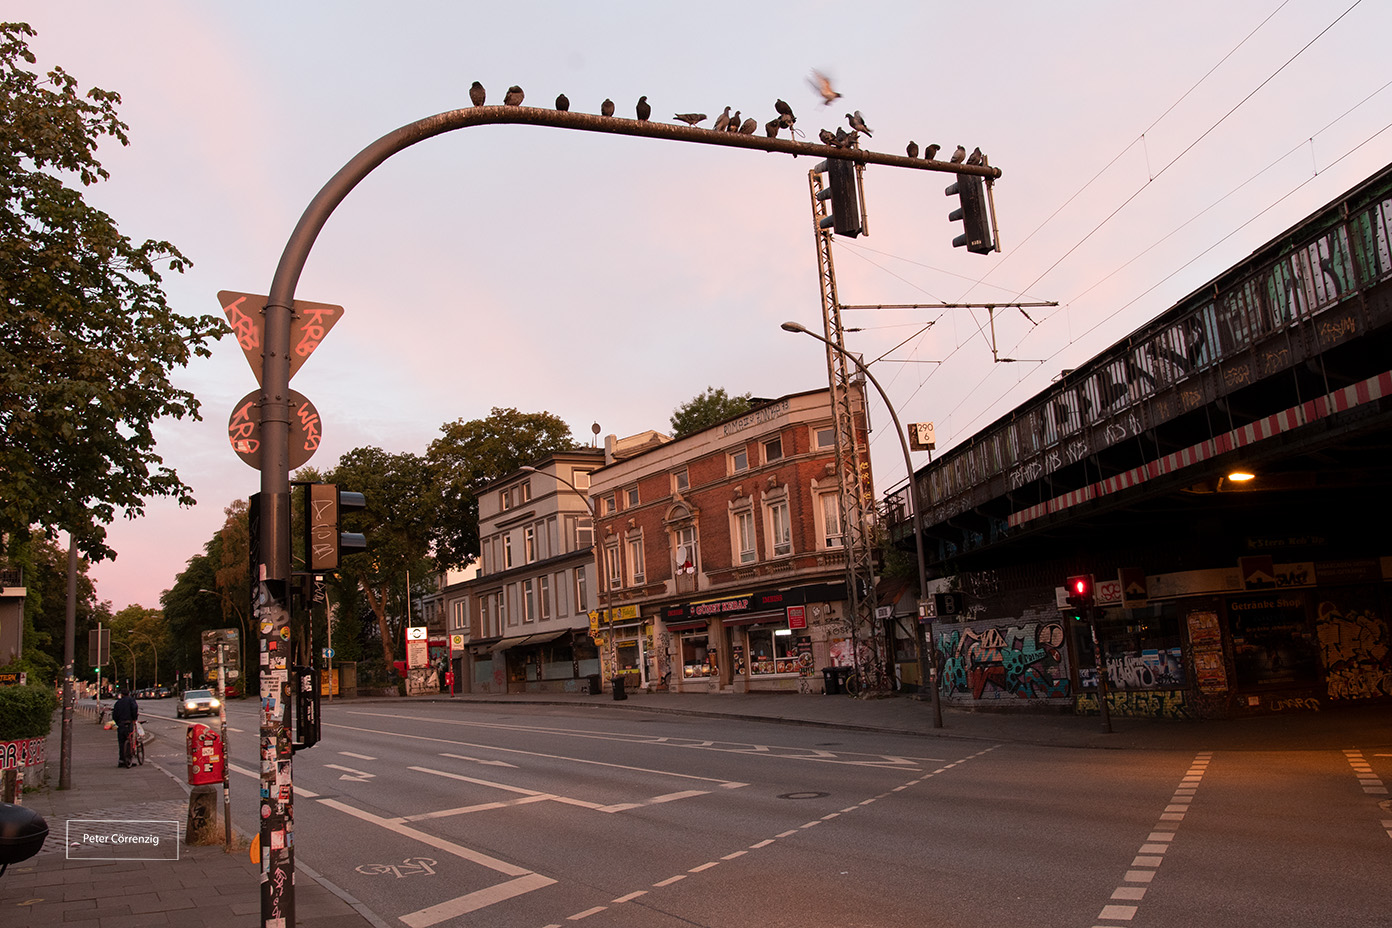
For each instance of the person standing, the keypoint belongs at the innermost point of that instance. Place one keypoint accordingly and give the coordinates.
(124, 714)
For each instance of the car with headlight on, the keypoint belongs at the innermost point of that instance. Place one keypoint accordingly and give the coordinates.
(196, 702)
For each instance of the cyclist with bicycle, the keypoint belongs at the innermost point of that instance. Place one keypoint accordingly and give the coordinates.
(124, 714)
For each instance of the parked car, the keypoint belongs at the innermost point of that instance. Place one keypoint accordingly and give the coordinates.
(196, 702)
(163, 692)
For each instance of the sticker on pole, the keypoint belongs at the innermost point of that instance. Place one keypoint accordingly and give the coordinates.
(245, 312)
(244, 429)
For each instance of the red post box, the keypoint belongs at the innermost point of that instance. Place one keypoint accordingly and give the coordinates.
(205, 755)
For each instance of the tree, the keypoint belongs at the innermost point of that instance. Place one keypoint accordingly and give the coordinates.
(475, 452)
(87, 338)
(709, 407)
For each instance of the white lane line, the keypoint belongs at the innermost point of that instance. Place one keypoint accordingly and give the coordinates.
(481, 807)
(472, 902)
(670, 880)
(300, 791)
(449, 847)
(630, 897)
(479, 760)
(704, 867)
(586, 914)
(350, 773)
(356, 756)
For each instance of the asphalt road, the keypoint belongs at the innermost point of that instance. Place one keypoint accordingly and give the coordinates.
(544, 816)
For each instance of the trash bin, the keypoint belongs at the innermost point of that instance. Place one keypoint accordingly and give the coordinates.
(831, 681)
(22, 834)
(595, 688)
(619, 687)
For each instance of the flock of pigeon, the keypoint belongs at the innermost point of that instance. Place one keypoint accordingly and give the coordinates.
(728, 123)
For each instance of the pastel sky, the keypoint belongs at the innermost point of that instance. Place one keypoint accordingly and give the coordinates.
(1145, 148)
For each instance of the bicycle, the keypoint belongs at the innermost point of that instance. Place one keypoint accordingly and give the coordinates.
(135, 748)
(868, 679)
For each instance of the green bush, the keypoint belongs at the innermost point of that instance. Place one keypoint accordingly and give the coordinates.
(26, 712)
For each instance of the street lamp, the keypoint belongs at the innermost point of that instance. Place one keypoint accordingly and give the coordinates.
(932, 674)
(601, 578)
(154, 649)
(132, 653)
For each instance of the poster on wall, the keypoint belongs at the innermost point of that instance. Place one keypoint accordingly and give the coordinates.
(1272, 641)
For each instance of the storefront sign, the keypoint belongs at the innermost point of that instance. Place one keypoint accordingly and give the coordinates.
(797, 616)
(25, 753)
(13, 678)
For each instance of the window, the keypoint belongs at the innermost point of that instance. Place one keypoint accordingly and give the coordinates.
(684, 546)
(773, 449)
(529, 547)
(697, 657)
(739, 460)
(608, 505)
(544, 598)
(744, 536)
(529, 608)
(826, 437)
(459, 613)
(507, 551)
(681, 480)
(611, 566)
(771, 650)
(581, 479)
(561, 607)
(582, 593)
(635, 561)
(584, 532)
(831, 520)
(780, 529)
(630, 497)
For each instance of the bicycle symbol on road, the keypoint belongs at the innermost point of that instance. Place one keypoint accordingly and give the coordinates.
(411, 866)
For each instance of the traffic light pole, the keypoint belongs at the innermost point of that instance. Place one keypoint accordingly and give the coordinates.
(271, 565)
(1101, 671)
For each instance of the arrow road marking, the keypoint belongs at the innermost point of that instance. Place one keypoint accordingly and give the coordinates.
(359, 776)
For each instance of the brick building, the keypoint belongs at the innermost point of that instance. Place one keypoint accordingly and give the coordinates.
(720, 554)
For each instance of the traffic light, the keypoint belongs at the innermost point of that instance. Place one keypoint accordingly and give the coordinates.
(841, 190)
(307, 692)
(970, 191)
(1080, 590)
(325, 505)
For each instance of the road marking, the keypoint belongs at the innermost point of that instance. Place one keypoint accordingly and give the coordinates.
(1371, 783)
(567, 800)
(477, 760)
(349, 773)
(587, 913)
(670, 880)
(1143, 866)
(481, 807)
(704, 867)
(300, 791)
(356, 756)
(630, 897)
(472, 902)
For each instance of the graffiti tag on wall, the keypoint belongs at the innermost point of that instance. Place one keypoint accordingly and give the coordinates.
(1012, 659)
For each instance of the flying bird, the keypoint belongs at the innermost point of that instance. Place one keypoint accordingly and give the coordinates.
(644, 110)
(607, 107)
(690, 119)
(513, 97)
(822, 84)
(786, 112)
(827, 138)
(748, 126)
(912, 149)
(858, 123)
(959, 155)
(477, 94)
(931, 151)
(722, 122)
(563, 103)
(975, 157)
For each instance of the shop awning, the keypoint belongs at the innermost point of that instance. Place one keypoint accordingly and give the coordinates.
(547, 636)
(539, 638)
(508, 642)
(702, 625)
(762, 618)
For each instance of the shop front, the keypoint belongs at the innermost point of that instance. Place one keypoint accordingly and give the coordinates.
(756, 641)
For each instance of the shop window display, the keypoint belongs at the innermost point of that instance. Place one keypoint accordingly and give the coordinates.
(697, 657)
(771, 650)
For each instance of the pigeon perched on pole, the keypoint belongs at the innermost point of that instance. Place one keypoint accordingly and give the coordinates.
(513, 97)
(959, 155)
(771, 128)
(563, 103)
(690, 119)
(786, 112)
(827, 138)
(822, 84)
(912, 149)
(644, 110)
(607, 107)
(748, 126)
(858, 123)
(931, 151)
(734, 125)
(477, 94)
(975, 157)
(722, 122)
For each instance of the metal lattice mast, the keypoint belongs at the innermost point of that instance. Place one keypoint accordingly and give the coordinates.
(852, 463)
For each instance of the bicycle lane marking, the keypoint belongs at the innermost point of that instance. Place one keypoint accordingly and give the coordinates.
(1152, 851)
(1370, 782)
(759, 845)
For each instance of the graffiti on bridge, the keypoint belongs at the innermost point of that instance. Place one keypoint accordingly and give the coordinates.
(1153, 704)
(1017, 659)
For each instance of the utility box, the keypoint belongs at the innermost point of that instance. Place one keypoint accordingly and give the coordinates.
(205, 756)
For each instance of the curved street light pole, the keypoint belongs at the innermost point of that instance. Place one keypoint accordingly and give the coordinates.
(152, 648)
(932, 675)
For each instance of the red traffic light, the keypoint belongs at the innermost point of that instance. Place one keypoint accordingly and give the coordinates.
(1080, 590)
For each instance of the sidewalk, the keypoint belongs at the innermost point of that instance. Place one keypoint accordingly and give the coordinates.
(205, 887)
